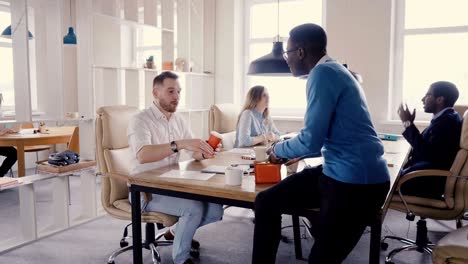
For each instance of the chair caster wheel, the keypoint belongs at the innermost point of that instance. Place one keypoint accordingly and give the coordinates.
(389, 262)
(111, 262)
(195, 253)
(384, 246)
(123, 243)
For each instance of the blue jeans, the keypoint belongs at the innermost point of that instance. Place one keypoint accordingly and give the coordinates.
(192, 215)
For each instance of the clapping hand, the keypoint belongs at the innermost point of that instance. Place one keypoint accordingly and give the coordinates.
(405, 114)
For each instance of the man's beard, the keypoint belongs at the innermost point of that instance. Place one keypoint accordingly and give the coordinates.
(170, 107)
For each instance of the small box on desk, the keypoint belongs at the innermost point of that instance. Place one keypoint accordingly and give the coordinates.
(390, 137)
(266, 172)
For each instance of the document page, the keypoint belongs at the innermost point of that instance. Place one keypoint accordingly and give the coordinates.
(190, 175)
(241, 151)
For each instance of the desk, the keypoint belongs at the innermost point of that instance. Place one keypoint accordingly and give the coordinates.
(26, 137)
(214, 190)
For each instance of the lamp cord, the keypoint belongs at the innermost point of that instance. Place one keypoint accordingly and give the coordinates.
(277, 20)
(71, 18)
(13, 29)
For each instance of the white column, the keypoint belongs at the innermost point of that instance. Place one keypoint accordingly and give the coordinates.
(19, 21)
(229, 47)
(84, 22)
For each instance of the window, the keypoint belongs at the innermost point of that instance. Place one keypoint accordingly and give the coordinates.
(7, 88)
(287, 94)
(431, 45)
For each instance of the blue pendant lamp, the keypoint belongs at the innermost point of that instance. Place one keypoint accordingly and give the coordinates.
(272, 64)
(70, 38)
(7, 33)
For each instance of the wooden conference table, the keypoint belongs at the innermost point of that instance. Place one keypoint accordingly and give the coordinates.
(26, 137)
(214, 190)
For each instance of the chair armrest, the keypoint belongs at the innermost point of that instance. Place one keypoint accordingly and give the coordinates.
(116, 176)
(147, 196)
(422, 173)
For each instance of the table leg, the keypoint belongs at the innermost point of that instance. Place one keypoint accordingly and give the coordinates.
(136, 227)
(297, 236)
(20, 156)
(376, 232)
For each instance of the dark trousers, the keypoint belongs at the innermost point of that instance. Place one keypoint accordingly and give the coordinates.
(429, 187)
(345, 210)
(10, 154)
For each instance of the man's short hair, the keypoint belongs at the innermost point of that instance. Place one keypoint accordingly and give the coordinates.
(447, 90)
(159, 80)
(311, 36)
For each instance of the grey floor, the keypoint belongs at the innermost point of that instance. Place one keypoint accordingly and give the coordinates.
(229, 241)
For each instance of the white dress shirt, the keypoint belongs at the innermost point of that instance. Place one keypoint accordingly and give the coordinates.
(151, 127)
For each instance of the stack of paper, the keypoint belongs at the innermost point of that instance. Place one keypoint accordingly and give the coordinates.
(7, 181)
(189, 175)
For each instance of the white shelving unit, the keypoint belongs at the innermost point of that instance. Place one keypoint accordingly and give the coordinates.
(126, 32)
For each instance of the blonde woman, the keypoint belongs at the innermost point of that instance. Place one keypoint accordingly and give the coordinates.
(255, 125)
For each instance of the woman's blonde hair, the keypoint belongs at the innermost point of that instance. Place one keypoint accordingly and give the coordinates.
(251, 100)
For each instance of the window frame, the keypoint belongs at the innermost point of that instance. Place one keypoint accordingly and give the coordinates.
(286, 112)
(400, 32)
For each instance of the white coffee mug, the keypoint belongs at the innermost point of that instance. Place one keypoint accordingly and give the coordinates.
(233, 176)
(260, 153)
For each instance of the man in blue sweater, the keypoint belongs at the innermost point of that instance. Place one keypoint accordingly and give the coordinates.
(352, 184)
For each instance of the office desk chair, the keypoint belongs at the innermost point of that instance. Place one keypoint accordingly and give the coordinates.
(36, 149)
(451, 207)
(113, 154)
(452, 248)
(460, 109)
(223, 119)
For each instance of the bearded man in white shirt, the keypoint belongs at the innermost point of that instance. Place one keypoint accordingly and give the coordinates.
(156, 136)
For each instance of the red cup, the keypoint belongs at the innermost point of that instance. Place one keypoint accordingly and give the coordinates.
(214, 140)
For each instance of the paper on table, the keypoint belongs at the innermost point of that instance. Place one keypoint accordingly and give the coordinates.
(221, 169)
(189, 175)
(241, 151)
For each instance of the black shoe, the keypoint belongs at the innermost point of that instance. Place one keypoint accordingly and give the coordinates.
(188, 261)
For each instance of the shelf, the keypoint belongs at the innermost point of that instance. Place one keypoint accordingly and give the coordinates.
(124, 68)
(130, 22)
(152, 70)
(195, 73)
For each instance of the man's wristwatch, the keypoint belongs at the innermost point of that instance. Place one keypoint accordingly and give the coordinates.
(407, 123)
(174, 147)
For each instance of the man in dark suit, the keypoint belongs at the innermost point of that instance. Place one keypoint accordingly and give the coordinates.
(437, 145)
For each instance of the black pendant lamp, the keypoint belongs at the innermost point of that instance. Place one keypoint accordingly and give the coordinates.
(272, 64)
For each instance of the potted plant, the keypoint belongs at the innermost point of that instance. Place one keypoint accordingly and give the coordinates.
(150, 62)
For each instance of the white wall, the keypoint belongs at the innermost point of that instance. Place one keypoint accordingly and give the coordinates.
(228, 50)
(359, 33)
